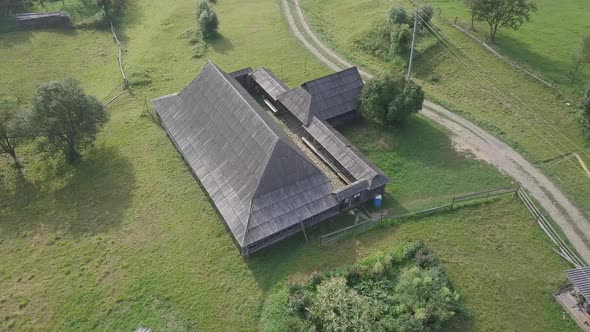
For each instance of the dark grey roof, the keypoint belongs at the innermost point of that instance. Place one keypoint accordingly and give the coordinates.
(325, 97)
(240, 73)
(268, 81)
(351, 189)
(259, 180)
(345, 153)
(581, 280)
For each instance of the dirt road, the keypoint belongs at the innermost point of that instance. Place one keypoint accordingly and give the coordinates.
(468, 136)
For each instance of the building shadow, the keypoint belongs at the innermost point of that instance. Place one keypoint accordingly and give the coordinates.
(95, 197)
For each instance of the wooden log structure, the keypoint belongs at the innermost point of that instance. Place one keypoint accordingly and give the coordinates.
(43, 20)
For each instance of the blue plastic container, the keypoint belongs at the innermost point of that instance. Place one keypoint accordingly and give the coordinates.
(378, 201)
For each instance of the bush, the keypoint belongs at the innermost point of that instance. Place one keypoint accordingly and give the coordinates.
(585, 107)
(400, 38)
(398, 15)
(402, 290)
(339, 308)
(391, 99)
(207, 19)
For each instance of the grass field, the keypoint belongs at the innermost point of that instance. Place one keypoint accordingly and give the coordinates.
(127, 238)
(535, 130)
(545, 44)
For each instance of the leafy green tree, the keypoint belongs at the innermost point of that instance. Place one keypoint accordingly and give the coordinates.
(207, 19)
(391, 99)
(585, 107)
(503, 13)
(67, 117)
(425, 13)
(400, 38)
(13, 128)
(424, 300)
(337, 307)
(471, 4)
(580, 57)
(398, 15)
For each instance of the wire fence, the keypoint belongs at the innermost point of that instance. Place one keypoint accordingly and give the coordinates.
(459, 26)
(456, 201)
(563, 248)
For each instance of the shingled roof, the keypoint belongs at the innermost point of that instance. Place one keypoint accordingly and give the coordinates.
(259, 180)
(346, 153)
(269, 82)
(325, 97)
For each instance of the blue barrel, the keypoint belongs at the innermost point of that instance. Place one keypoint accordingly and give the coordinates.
(378, 201)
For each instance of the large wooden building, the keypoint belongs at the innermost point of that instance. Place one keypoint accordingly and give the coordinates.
(262, 183)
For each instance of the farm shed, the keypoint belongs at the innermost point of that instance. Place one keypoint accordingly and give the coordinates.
(334, 98)
(262, 184)
(575, 298)
(43, 20)
(354, 166)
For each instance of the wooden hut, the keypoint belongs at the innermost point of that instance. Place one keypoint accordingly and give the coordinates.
(43, 20)
(333, 98)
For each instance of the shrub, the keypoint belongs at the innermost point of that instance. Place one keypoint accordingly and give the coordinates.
(390, 99)
(339, 308)
(398, 15)
(374, 295)
(207, 19)
(585, 107)
(424, 300)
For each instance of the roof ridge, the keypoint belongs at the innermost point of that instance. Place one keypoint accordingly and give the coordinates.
(330, 75)
(259, 178)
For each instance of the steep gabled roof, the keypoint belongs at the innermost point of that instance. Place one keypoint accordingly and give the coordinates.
(346, 153)
(258, 179)
(325, 97)
(269, 82)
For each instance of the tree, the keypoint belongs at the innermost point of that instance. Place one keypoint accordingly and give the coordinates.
(337, 307)
(585, 107)
(391, 99)
(580, 58)
(67, 117)
(425, 14)
(424, 300)
(398, 15)
(13, 129)
(207, 19)
(471, 4)
(503, 13)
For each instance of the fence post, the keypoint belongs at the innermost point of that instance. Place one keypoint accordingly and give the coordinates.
(453, 202)
(455, 20)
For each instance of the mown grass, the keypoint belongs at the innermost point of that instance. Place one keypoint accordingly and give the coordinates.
(127, 237)
(545, 128)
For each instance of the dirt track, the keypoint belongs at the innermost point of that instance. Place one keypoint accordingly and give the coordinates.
(480, 143)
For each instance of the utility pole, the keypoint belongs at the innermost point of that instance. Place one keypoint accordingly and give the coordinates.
(413, 46)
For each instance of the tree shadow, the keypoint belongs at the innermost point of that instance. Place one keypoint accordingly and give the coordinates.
(417, 139)
(274, 264)
(220, 44)
(94, 198)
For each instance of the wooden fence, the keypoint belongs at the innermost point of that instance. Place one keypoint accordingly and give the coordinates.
(515, 65)
(563, 248)
(456, 201)
(119, 56)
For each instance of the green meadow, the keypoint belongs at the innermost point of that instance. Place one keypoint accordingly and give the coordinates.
(127, 237)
